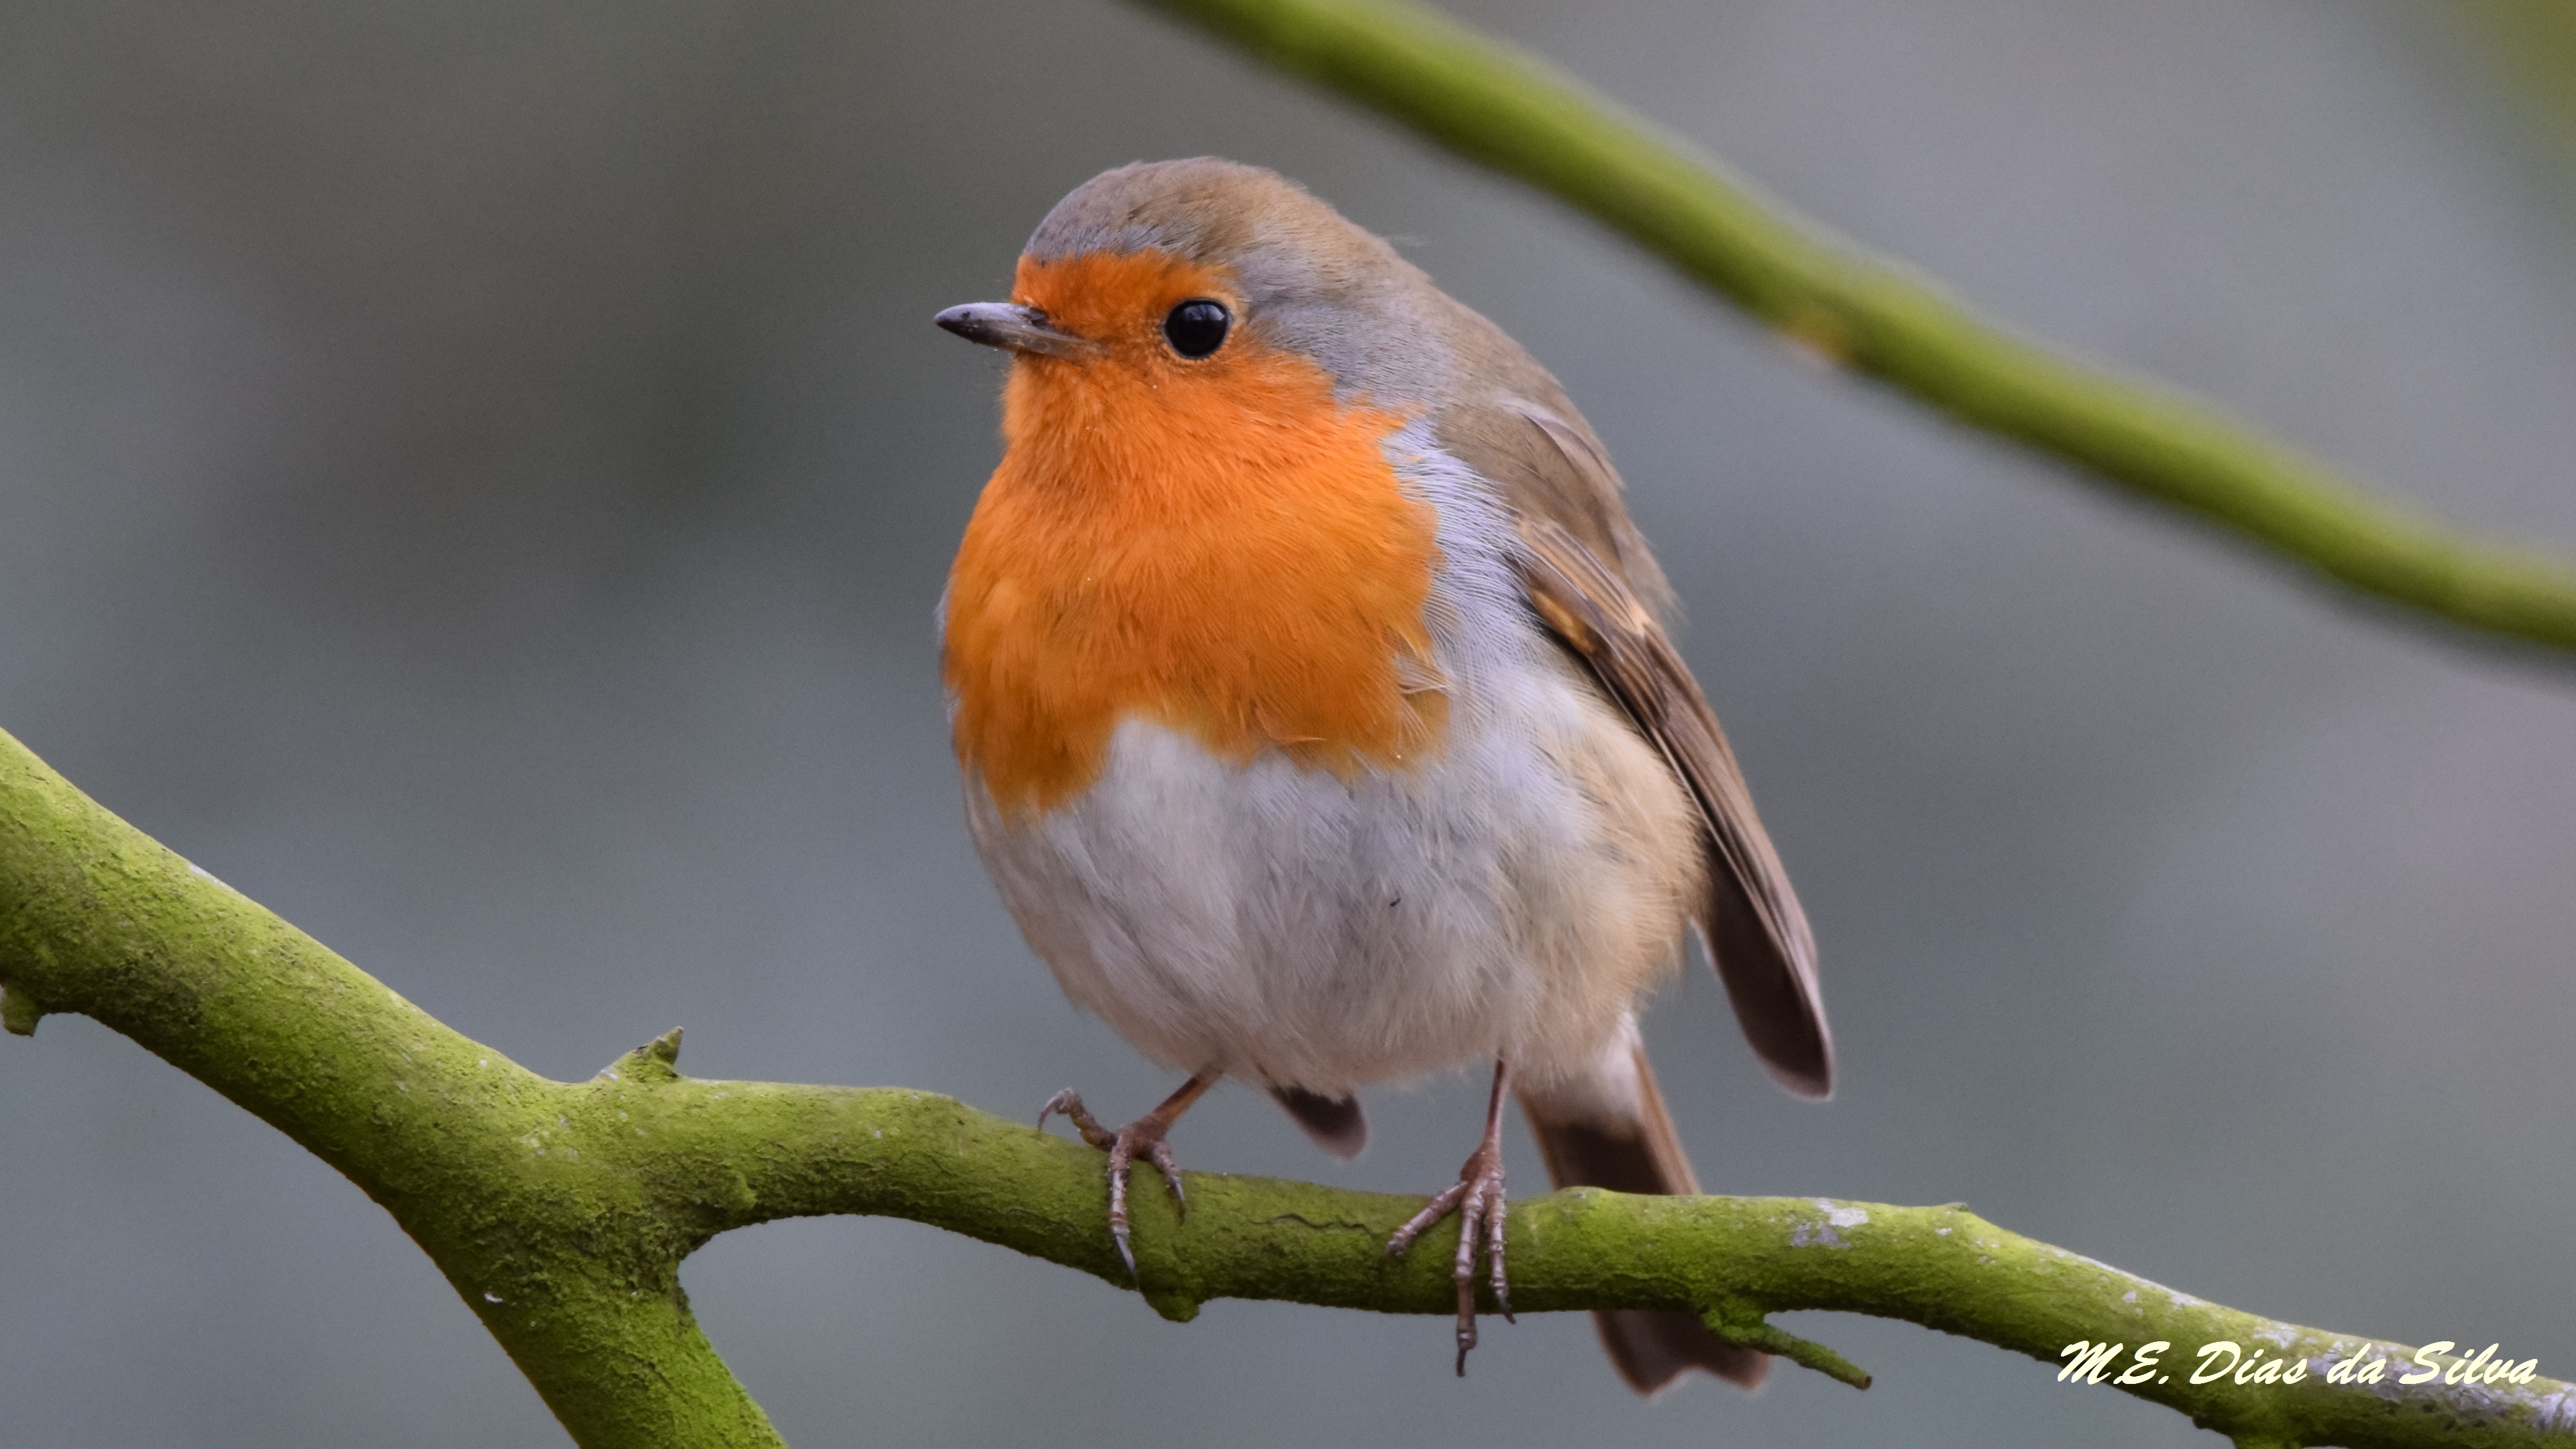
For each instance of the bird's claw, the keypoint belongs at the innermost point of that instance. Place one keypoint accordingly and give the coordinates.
(1477, 1198)
(1145, 1135)
(1068, 1105)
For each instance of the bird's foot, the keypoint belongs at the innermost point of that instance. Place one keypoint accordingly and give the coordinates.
(1477, 1198)
(1140, 1138)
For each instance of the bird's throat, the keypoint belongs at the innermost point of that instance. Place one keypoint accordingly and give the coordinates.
(1227, 553)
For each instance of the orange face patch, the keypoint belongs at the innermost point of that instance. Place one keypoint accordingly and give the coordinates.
(1216, 545)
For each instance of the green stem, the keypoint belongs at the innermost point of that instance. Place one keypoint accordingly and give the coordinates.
(1513, 112)
(561, 1211)
(571, 1263)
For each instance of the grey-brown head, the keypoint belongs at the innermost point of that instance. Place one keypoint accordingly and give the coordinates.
(1295, 275)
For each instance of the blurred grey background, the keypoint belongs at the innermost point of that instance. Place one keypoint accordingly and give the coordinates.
(476, 477)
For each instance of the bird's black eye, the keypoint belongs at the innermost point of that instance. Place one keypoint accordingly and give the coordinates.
(1197, 327)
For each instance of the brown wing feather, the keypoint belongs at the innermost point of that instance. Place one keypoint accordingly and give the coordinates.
(1756, 934)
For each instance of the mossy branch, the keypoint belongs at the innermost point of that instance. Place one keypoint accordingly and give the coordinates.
(1513, 112)
(561, 1211)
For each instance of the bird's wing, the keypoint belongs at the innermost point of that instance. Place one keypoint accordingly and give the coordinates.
(1566, 499)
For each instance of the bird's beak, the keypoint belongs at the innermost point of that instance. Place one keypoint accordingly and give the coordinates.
(1018, 328)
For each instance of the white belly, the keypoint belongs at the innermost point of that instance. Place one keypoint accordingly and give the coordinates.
(1510, 897)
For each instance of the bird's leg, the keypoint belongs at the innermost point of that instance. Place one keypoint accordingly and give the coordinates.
(1144, 1135)
(1477, 1198)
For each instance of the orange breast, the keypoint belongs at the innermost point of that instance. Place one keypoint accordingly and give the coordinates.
(1217, 546)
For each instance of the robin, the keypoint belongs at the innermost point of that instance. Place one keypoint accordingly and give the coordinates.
(1316, 721)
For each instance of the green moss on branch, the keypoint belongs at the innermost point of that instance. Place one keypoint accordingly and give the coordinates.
(561, 1211)
(1509, 110)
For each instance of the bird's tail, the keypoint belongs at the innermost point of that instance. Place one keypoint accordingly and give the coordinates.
(1609, 1129)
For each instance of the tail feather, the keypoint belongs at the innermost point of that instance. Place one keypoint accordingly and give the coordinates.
(1610, 1130)
(1336, 1123)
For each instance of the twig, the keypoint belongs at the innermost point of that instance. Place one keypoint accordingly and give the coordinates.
(1509, 110)
(561, 1211)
